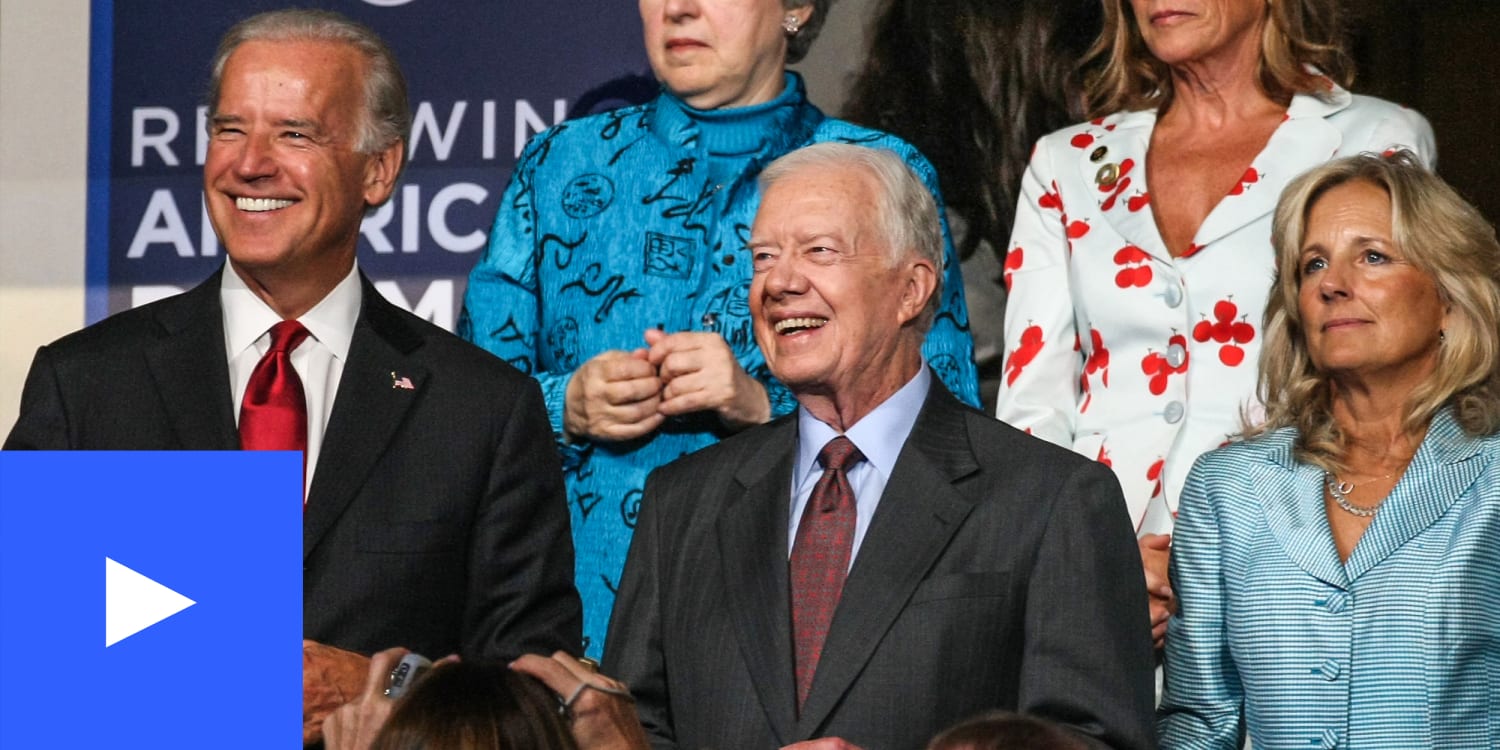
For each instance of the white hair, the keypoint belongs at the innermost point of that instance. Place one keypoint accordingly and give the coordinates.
(905, 208)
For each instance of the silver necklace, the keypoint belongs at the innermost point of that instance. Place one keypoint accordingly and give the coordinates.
(1340, 493)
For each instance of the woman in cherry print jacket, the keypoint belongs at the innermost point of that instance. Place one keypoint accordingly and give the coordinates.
(1141, 256)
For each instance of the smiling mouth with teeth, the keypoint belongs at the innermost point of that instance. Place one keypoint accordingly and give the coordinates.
(793, 325)
(261, 204)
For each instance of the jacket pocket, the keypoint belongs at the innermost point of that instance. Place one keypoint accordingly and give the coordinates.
(962, 586)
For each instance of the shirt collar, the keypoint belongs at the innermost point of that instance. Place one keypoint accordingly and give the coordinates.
(879, 435)
(247, 317)
(1319, 104)
(1446, 442)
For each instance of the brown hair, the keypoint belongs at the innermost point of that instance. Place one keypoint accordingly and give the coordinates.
(1297, 34)
(468, 706)
(1005, 730)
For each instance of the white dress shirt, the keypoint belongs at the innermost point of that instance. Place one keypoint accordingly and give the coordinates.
(879, 436)
(319, 359)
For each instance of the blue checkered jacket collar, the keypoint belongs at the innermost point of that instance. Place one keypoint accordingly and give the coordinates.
(1291, 497)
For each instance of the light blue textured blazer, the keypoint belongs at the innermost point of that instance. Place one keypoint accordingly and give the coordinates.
(1399, 647)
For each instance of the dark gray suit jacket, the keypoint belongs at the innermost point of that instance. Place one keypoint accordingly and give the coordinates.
(999, 571)
(436, 519)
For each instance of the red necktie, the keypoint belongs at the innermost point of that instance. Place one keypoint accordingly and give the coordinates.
(820, 558)
(273, 414)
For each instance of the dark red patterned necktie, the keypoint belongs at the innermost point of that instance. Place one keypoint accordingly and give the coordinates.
(273, 414)
(820, 558)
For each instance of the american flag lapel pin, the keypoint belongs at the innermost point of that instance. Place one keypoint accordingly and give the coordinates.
(402, 382)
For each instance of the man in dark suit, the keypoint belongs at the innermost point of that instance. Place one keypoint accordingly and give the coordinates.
(937, 565)
(434, 513)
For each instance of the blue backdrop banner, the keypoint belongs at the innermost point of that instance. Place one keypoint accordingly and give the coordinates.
(484, 76)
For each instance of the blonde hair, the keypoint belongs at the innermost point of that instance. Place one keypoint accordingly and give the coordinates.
(1442, 236)
(1297, 35)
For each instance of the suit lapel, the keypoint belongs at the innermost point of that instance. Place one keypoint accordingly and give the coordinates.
(1121, 147)
(192, 372)
(1445, 466)
(752, 533)
(367, 411)
(917, 516)
(1304, 140)
(1292, 500)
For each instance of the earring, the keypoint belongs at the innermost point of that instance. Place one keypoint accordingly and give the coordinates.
(1442, 335)
(791, 25)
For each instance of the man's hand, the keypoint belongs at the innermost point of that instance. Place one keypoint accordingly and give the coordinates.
(602, 713)
(613, 396)
(331, 677)
(1156, 551)
(354, 725)
(824, 743)
(699, 373)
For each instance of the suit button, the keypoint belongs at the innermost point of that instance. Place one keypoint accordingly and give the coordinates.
(1337, 602)
(1173, 294)
(1329, 669)
(1329, 740)
(1174, 412)
(1176, 355)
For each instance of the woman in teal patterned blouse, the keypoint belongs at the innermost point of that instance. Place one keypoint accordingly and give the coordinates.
(1338, 572)
(616, 272)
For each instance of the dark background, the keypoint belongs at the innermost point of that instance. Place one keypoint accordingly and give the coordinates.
(1441, 58)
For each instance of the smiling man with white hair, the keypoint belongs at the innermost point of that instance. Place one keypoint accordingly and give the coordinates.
(885, 561)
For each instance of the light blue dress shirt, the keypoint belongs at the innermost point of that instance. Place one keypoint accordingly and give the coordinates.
(879, 435)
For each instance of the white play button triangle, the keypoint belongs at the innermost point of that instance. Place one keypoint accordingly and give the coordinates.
(133, 602)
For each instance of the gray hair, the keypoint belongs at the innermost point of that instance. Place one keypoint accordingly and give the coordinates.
(386, 118)
(905, 208)
(798, 44)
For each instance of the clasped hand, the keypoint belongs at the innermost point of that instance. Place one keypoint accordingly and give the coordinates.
(1156, 551)
(620, 395)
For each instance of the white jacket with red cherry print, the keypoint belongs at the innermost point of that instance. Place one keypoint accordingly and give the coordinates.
(1128, 355)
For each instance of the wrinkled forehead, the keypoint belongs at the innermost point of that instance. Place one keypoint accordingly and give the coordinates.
(324, 71)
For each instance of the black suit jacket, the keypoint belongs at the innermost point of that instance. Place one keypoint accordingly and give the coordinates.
(436, 519)
(998, 572)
